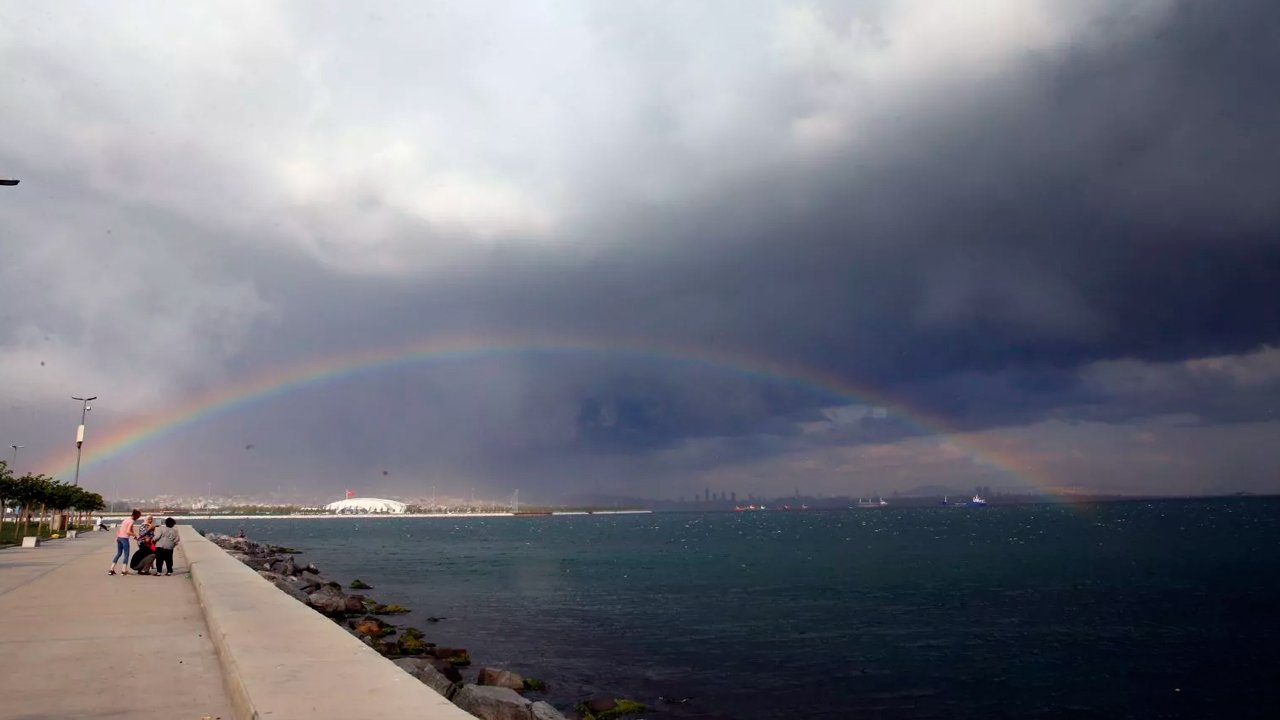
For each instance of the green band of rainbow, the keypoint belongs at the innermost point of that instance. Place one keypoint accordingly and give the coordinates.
(284, 380)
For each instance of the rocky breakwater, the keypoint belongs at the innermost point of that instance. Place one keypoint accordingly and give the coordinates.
(495, 694)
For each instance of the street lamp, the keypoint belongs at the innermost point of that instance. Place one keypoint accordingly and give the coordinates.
(14, 467)
(84, 410)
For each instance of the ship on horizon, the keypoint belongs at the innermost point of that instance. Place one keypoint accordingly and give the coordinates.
(976, 501)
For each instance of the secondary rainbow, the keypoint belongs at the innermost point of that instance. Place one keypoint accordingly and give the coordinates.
(287, 379)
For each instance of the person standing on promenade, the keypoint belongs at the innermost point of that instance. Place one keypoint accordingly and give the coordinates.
(123, 532)
(166, 541)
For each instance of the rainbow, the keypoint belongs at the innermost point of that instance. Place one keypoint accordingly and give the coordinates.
(280, 381)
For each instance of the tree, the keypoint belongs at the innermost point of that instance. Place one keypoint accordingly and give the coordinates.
(33, 490)
(8, 490)
(29, 492)
(84, 501)
(59, 497)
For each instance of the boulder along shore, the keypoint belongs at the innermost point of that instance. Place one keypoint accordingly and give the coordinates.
(491, 694)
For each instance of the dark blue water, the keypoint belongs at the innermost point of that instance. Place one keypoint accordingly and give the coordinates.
(1122, 610)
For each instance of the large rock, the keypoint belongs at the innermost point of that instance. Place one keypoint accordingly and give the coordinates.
(286, 587)
(328, 600)
(371, 627)
(493, 703)
(293, 580)
(545, 711)
(603, 707)
(422, 669)
(413, 645)
(444, 667)
(257, 563)
(285, 566)
(500, 678)
(311, 582)
(599, 704)
(457, 656)
(354, 605)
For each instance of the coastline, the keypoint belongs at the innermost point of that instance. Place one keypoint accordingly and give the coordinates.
(188, 518)
(282, 660)
(490, 693)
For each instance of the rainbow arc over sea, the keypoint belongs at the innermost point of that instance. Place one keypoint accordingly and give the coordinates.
(130, 436)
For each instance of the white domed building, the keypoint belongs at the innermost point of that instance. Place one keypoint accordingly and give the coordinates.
(366, 506)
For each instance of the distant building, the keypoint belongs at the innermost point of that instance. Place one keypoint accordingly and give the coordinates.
(362, 506)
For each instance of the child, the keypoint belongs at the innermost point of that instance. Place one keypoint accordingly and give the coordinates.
(166, 541)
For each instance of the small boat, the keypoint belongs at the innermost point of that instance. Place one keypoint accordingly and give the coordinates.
(977, 501)
(748, 508)
(869, 503)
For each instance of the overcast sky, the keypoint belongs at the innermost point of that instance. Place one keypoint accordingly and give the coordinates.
(1036, 243)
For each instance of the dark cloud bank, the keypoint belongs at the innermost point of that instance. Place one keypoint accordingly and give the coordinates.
(1079, 256)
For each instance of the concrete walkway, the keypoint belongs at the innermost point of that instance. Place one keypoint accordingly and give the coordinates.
(78, 643)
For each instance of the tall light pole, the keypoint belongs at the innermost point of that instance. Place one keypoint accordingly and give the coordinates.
(14, 467)
(84, 410)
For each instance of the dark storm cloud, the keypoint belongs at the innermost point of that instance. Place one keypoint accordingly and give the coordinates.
(972, 215)
(1113, 202)
(1110, 200)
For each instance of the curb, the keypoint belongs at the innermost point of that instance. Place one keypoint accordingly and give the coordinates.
(241, 705)
(284, 661)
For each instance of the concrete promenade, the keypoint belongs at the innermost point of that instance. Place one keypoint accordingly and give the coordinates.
(78, 643)
(285, 661)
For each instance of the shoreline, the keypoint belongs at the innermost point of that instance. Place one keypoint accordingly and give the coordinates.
(382, 516)
(487, 692)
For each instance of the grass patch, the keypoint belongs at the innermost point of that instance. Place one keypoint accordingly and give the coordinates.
(11, 533)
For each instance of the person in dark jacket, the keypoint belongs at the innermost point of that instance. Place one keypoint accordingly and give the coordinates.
(166, 540)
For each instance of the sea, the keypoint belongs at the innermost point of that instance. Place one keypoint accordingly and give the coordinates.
(1152, 609)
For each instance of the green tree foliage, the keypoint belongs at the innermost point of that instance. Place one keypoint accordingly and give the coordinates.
(29, 493)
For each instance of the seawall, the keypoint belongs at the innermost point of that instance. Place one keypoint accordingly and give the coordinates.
(282, 660)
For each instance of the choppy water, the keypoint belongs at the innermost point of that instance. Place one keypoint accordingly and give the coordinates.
(1123, 610)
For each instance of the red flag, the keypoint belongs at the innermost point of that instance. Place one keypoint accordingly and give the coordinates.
(351, 493)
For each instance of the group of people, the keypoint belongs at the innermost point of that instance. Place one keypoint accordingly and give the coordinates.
(155, 545)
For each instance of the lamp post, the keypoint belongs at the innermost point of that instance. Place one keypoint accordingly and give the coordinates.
(14, 467)
(84, 410)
